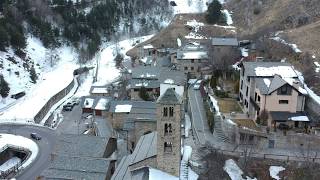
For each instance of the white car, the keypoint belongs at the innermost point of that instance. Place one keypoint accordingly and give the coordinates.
(196, 86)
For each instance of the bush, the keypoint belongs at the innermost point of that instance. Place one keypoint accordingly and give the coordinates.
(256, 10)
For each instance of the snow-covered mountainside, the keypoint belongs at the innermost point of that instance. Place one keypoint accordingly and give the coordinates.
(53, 76)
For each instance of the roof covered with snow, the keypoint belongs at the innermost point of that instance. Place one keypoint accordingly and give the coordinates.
(269, 69)
(99, 89)
(102, 103)
(187, 55)
(288, 116)
(88, 102)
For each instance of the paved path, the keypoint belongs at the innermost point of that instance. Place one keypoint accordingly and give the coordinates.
(46, 145)
(198, 116)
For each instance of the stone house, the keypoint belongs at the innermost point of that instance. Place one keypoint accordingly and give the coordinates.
(190, 58)
(272, 88)
(151, 77)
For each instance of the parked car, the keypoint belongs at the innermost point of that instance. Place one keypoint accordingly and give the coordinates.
(18, 95)
(75, 102)
(196, 86)
(35, 136)
(67, 107)
(283, 126)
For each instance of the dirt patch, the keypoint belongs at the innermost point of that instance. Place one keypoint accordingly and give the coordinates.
(228, 105)
(167, 38)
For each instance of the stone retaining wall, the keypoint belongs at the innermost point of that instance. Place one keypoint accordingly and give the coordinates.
(53, 100)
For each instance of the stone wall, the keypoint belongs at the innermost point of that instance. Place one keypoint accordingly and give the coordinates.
(313, 109)
(53, 100)
(152, 162)
(141, 127)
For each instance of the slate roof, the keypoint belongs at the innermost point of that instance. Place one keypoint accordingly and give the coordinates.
(67, 167)
(81, 145)
(145, 148)
(145, 72)
(178, 77)
(280, 116)
(170, 97)
(275, 83)
(147, 83)
(104, 127)
(224, 42)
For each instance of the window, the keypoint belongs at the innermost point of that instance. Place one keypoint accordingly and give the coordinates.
(285, 90)
(241, 84)
(247, 91)
(167, 146)
(192, 68)
(167, 128)
(283, 102)
(248, 79)
(192, 60)
(241, 97)
(259, 98)
(186, 68)
(171, 111)
(165, 111)
(255, 96)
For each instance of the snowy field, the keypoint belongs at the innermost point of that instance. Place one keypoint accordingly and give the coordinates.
(19, 142)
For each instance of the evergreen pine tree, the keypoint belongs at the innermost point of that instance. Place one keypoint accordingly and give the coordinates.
(4, 87)
(33, 75)
(144, 94)
(214, 14)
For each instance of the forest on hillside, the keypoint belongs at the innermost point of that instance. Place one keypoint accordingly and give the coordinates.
(82, 23)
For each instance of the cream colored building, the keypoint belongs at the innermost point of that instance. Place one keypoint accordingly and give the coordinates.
(272, 87)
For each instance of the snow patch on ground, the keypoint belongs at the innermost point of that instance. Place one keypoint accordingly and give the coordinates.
(196, 26)
(155, 174)
(293, 46)
(228, 16)
(187, 125)
(190, 6)
(233, 170)
(215, 104)
(107, 66)
(274, 171)
(22, 142)
(179, 42)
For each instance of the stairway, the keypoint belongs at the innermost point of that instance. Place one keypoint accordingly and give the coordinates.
(184, 170)
(218, 130)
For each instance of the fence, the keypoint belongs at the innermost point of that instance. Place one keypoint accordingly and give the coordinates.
(53, 100)
(287, 158)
